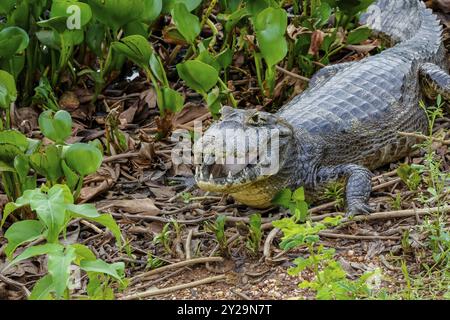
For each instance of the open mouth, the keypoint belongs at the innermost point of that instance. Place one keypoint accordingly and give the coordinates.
(218, 174)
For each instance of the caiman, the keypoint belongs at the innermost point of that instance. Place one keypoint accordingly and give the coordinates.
(348, 121)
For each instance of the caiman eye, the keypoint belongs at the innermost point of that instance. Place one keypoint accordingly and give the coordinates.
(257, 119)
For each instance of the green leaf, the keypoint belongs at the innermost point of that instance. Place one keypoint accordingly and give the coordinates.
(188, 25)
(198, 75)
(57, 24)
(21, 166)
(22, 232)
(51, 210)
(254, 7)
(152, 10)
(12, 41)
(56, 126)
(59, 269)
(190, 4)
(64, 8)
(115, 270)
(82, 252)
(283, 198)
(136, 48)
(157, 68)
(8, 91)
(72, 178)
(299, 195)
(117, 13)
(108, 221)
(83, 158)
(270, 26)
(42, 289)
(15, 138)
(213, 101)
(86, 210)
(47, 163)
(173, 100)
(6, 6)
(38, 250)
(358, 35)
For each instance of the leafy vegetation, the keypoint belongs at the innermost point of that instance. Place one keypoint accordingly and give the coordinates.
(187, 51)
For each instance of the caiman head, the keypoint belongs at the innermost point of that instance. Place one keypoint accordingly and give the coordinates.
(248, 154)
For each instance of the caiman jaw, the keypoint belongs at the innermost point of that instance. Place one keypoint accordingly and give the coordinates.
(217, 178)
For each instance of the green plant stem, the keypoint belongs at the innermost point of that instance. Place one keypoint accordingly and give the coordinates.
(208, 12)
(258, 65)
(229, 93)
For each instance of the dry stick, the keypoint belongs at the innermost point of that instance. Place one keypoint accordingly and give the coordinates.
(268, 242)
(159, 219)
(424, 137)
(158, 292)
(291, 74)
(398, 214)
(187, 244)
(356, 237)
(176, 265)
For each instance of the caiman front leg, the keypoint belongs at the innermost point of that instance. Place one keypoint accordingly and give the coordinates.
(327, 72)
(435, 81)
(358, 186)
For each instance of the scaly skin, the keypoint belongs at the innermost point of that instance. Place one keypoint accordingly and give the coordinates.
(347, 122)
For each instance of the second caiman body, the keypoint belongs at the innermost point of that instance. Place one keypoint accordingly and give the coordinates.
(348, 121)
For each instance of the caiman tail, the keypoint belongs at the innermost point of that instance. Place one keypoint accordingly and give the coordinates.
(404, 21)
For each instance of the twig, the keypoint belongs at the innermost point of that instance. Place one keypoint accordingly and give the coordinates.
(398, 214)
(187, 244)
(356, 237)
(241, 294)
(157, 292)
(159, 219)
(424, 137)
(176, 265)
(183, 209)
(120, 157)
(291, 74)
(268, 242)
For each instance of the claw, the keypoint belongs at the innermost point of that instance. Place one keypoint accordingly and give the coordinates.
(359, 209)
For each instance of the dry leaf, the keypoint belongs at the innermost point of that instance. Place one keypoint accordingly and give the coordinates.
(316, 42)
(137, 206)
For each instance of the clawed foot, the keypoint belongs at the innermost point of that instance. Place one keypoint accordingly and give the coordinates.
(358, 209)
(182, 183)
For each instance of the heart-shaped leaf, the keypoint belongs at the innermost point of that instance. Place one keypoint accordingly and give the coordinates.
(198, 75)
(77, 14)
(188, 25)
(83, 158)
(270, 25)
(190, 4)
(152, 10)
(136, 48)
(118, 13)
(56, 126)
(12, 40)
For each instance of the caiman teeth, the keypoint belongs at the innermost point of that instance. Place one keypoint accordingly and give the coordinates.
(201, 175)
(196, 171)
(211, 178)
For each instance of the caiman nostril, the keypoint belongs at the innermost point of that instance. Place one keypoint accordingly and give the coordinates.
(209, 159)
